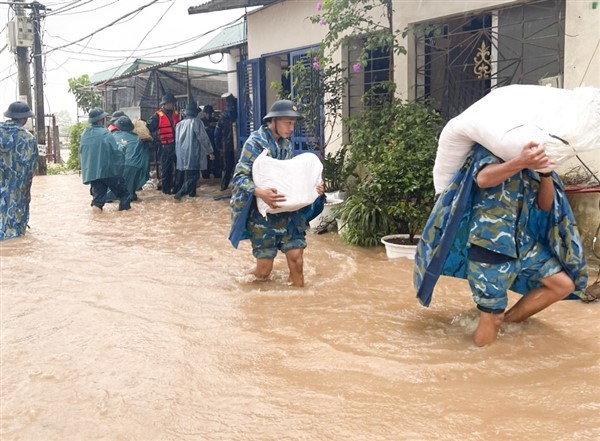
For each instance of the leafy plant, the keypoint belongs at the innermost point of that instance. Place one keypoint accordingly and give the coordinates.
(393, 152)
(85, 96)
(75, 132)
(366, 220)
(317, 87)
(335, 172)
(58, 169)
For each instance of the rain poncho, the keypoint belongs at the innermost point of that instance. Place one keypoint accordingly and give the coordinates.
(136, 157)
(442, 249)
(192, 145)
(18, 155)
(242, 195)
(99, 154)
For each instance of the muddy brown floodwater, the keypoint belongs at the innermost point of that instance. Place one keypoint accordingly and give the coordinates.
(143, 325)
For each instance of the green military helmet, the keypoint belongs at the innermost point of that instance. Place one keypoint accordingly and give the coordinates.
(116, 115)
(96, 114)
(18, 110)
(124, 124)
(192, 109)
(283, 109)
(168, 98)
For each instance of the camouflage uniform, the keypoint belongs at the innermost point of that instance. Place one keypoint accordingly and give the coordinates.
(283, 231)
(500, 224)
(539, 239)
(18, 155)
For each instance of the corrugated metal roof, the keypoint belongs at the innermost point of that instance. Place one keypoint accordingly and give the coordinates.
(229, 37)
(221, 5)
(118, 71)
(143, 66)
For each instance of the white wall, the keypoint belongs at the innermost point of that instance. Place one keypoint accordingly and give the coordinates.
(232, 79)
(283, 26)
(582, 60)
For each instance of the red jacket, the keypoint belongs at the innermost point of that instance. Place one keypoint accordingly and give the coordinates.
(166, 127)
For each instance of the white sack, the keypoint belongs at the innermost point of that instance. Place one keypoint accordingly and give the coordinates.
(295, 178)
(510, 117)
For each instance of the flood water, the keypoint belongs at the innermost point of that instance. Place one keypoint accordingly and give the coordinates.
(143, 325)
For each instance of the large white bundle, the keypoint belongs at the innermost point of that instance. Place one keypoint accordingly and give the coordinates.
(295, 178)
(141, 129)
(510, 117)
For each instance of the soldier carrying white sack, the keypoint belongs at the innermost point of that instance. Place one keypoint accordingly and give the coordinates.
(285, 231)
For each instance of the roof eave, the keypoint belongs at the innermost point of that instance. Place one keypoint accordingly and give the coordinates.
(222, 5)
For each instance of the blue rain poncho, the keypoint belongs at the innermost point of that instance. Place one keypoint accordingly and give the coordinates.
(192, 145)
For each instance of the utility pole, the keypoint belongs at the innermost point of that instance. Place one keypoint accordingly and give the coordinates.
(23, 62)
(40, 120)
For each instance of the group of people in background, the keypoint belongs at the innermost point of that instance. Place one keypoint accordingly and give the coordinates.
(115, 160)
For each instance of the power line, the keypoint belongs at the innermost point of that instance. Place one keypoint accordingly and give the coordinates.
(141, 8)
(143, 55)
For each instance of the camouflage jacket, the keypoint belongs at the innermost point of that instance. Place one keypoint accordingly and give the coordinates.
(243, 204)
(242, 193)
(18, 155)
(500, 214)
(442, 249)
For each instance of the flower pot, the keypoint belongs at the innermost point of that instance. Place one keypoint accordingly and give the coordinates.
(341, 226)
(394, 249)
(326, 216)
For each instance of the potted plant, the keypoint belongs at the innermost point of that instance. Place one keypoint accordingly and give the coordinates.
(392, 155)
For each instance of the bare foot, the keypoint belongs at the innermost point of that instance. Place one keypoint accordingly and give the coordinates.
(96, 210)
(487, 330)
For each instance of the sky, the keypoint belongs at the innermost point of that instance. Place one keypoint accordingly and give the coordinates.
(161, 32)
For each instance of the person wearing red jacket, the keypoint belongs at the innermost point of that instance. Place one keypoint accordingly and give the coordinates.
(162, 124)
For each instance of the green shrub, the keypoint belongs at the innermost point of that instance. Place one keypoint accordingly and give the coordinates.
(392, 153)
(75, 132)
(58, 169)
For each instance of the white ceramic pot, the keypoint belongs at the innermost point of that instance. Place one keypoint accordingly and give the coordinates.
(395, 250)
(326, 215)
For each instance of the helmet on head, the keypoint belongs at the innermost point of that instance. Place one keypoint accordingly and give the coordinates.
(124, 124)
(18, 110)
(208, 109)
(116, 115)
(168, 98)
(283, 109)
(96, 115)
(192, 109)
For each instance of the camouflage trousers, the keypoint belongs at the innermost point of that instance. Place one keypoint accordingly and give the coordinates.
(490, 281)
(276, 232)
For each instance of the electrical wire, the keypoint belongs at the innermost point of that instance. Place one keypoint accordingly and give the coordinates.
(144, 54)
(145, 36)
(141, 8)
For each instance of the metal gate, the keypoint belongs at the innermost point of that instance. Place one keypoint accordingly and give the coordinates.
(308, 135)
(251, 103)
(459, 60)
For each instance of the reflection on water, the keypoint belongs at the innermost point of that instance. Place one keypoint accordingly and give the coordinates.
(143, 325)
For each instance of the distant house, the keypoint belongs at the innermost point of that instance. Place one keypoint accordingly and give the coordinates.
(138, 87)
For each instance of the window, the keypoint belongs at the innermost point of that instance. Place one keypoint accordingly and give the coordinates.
(459, 60)
(368, 78)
